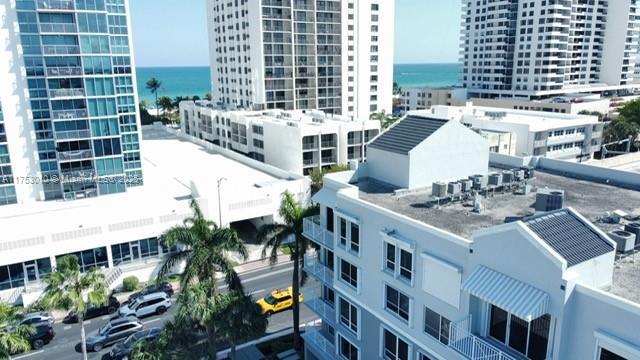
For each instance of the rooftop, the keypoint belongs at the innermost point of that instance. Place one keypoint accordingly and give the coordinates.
(407, 134)
(592, 200)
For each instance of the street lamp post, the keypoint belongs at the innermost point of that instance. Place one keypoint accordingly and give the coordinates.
(220, 180)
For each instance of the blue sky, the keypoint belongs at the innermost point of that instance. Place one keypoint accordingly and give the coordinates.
(427, 31)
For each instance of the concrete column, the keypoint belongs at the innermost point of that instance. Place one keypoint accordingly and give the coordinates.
(109, 256)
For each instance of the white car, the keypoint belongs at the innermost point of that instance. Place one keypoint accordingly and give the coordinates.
(156, 303)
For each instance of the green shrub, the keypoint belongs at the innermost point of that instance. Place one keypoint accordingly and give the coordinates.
(130, 283)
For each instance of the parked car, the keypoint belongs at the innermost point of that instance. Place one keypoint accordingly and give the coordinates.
(94, 311)
(122, 349)
(278, 300)
(43, 334)
(114, 331)
(36, 318)
(150, 289)
(156, 303)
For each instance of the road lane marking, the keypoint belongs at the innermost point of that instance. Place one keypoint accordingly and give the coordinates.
(105, 317)
(257, 292)
(87, 322)
(27, 355)
(259, 277)
(150, 321)
(67, 327)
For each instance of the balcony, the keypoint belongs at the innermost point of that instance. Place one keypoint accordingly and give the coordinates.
(64, 71)
(70, 135)
(314, 301)
(69, 114)
(309, 146)
(56, 93)
(320, 344)
(61, 49)
(58, 28)
(56, 4)
(315, 268)
(471, 346)
(75, 155)
(315, 232)
(309, 162)
(329, 144)
(78, 174)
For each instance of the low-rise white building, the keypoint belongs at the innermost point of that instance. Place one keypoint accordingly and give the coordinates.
(404, 277)
(420, 98)
(120, 233)
(553, 135)
(298, 141)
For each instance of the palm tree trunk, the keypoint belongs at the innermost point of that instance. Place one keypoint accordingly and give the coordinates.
(296, 295)
(83, 340)
(211, 339)
(233, 351)
(157, 108)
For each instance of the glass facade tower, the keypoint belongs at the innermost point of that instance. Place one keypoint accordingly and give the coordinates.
(81, 84)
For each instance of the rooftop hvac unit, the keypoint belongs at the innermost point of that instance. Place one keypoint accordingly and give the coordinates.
(495, 179)
(466, 185)
(454, 188)
(507, 177)
(528, 171)
(634, 228)
(625, 240)
(549, 200)
(439, 189)
(518, 174)
(479, 182)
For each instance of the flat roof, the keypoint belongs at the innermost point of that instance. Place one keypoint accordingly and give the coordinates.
(588, 198)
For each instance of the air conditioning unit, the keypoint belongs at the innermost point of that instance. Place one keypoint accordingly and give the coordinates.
(529, 171)
(439, 189)
(518, 174)
(625, 240)
(495, 179)
(479, 182)
(454, 188)
(507, 177)
(634, 228)
(549, 200)
(466, 185)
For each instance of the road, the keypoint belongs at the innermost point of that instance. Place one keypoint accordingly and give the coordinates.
(66, 344)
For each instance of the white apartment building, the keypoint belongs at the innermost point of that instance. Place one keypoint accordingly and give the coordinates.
(120, 233)
(404, 277)
(542, 48)
(332, 55)
(421, 98)
(297, 141)
(537, 133)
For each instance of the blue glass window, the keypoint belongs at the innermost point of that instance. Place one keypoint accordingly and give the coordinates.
(92, 23)
(107, 147)
(94, 44)
(105, 127)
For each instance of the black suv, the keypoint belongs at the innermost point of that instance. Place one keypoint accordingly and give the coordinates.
(94, 311)
(122, 350)
(42, 335)
(154, 288)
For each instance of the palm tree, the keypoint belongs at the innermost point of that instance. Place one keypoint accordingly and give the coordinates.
(69, 288)
(289, 233)
(243, 320)
(166, 104)
(202, 249)
(154, 85)
(13, 335)
(385, 119)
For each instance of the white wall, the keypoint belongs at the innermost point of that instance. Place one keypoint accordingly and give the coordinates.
(388, 167)
(452, 153)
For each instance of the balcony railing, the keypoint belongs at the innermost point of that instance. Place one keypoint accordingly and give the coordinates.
(309, 146)
(309, 162)
(473, 347)
(57, 28)
(329, 144)
(64, 71)
(65, 92)
(61, 49)
(313, 300)
(312, 229)
(328, 159)
(75, 155)
(315, 268)
(320, 343)
(56, 4)
(69, 114)
(76, 134)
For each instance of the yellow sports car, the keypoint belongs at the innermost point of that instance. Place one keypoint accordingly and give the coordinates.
(278, 300)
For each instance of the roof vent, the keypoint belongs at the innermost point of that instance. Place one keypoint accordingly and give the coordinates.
(625, 240)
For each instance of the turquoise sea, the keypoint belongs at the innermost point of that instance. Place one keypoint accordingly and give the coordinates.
(190, 81)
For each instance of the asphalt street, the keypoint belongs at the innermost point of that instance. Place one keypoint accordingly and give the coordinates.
(258, 283)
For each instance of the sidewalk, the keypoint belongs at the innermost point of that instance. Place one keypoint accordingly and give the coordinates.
(261, 264)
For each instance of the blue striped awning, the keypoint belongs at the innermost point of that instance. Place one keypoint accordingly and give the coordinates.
(507, 293)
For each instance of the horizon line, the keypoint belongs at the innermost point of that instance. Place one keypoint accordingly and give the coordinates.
(399, 63)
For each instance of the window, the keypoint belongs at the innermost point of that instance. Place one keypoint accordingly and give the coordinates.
(394, 348)
(349, 273)
(436, 325)
(348, 351)
(608, 355)
(397, 302)
(328, 295)
(349, 315)
(398, 261)
(528, 338)
(423, 356)
(349, 235)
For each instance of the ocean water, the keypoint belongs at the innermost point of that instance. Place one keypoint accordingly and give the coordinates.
(190, 81)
